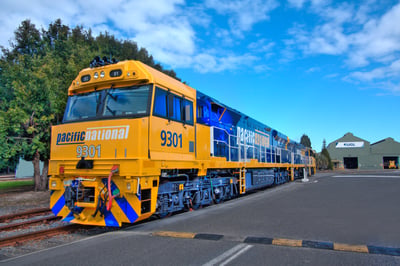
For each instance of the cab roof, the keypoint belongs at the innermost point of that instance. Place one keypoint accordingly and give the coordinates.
(125, 73)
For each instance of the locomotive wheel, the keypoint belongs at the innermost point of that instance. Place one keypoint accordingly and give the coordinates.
(235, 192)
(196, 200)
(228, 193)
(219, 197)
(164, 215)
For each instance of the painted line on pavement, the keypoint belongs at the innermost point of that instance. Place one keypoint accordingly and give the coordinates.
(376, 176)
(229, 255)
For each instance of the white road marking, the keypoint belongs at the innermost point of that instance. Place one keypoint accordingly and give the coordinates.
(377, 176)
(229, 255)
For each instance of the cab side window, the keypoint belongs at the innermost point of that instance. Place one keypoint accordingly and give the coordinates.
(177, 108)
(173, 107)
(160, 103)
(187, 112)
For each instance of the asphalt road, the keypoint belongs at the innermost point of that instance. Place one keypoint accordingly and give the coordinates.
(356, 211)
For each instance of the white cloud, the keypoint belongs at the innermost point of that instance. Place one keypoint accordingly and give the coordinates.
(12, 13)
(225, 37)
(167, 42)
(378, 38)
(207, 62)
(332, 76)
(314, 3)
(297, 3)
(261, 46)
(164, 27)
(393, 70)
(388, 89)
(243, 13)
(313, 69)
(261, 68)
(157, 25)
(363, 37)
(326, 38)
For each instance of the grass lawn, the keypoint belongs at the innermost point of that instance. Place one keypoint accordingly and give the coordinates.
(15, 184)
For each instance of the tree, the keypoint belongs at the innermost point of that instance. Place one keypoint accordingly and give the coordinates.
(29, 115)
(27, 39)
(305, 140)
(321, 162)
(36, 81)
(325, 154)
(35, 73)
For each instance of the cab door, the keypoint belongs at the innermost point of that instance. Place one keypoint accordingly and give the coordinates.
(172, 135)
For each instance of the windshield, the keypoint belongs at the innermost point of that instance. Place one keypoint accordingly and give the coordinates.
(126, 102)
(129, 101)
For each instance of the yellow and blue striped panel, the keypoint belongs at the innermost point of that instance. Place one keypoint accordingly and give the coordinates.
(122, 210)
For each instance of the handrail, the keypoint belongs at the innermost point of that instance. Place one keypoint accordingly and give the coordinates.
(265, 154)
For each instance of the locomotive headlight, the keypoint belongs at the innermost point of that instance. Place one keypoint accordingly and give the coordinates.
(96, 75)
(128, 186)
(102, 74)
(54, 185)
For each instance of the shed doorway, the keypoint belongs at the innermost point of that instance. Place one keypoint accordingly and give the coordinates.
(390, 162)
(350, 162)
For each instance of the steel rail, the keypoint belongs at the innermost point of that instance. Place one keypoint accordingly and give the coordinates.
(29, 222)
(22, 214)
(17, 239)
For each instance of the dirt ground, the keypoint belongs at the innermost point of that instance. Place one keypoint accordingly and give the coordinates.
(13, 202)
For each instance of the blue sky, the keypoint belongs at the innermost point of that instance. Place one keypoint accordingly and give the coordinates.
(319, 67)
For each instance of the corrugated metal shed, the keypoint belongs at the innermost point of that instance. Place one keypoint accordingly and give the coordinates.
(356, 153)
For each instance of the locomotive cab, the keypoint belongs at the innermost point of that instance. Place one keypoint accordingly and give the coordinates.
(105, 161)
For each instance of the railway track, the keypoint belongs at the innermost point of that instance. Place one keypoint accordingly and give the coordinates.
(15, 226)
(25, 230)
(20, 238)
(24, 214)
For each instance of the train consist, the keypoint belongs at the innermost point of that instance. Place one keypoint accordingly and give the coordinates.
(135, 142)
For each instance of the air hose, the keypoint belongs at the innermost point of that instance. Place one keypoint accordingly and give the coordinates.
(114, 169)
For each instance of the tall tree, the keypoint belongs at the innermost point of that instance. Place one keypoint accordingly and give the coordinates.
(305, 140)
(27, 39)
(325, 154)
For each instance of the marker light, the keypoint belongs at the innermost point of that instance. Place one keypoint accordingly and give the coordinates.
(102, 74)
(53, 183)
(96, 75)
(85, 78)
(115, 73)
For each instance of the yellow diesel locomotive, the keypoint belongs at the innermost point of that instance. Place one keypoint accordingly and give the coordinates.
(135, 142)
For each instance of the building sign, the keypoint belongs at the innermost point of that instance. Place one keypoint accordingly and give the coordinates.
(354, 144)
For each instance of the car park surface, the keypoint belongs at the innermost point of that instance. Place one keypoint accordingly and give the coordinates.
(354, 212)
